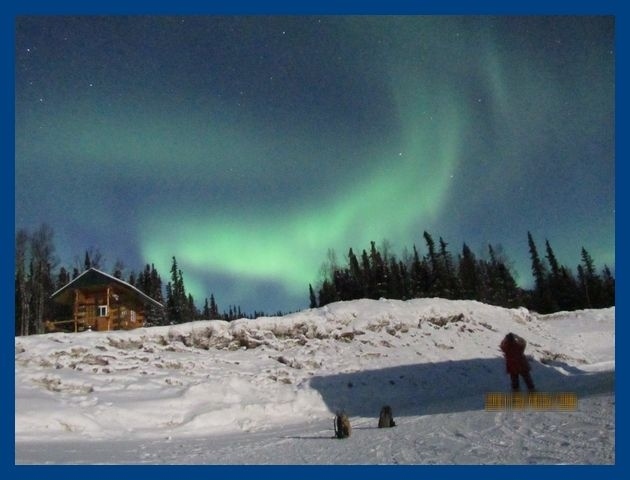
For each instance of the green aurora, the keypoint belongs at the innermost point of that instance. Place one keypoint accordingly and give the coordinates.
(314, 133)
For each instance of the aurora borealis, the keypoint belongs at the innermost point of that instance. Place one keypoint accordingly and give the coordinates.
(249, 146)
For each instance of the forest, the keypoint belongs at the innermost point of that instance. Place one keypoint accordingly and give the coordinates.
(38, 275)
(374, 273)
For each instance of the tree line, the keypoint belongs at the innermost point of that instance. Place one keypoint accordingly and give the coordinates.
(38, 274)
(377, 273)
(374, 273)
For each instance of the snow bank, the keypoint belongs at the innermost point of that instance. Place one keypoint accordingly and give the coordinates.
(425, 356)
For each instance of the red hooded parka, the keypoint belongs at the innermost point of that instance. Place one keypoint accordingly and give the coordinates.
(514, 350)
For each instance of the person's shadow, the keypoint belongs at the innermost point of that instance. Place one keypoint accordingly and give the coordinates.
(445, 387)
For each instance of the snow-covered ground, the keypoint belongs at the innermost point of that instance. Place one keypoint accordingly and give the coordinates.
(264, 391)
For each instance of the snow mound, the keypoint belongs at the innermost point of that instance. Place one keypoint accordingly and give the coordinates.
(423, 357)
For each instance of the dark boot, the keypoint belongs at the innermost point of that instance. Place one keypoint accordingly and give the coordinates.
(528, 381)
(514, 380)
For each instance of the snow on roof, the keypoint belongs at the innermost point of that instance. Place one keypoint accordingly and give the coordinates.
(111, 278)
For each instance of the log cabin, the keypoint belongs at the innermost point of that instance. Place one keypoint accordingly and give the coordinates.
(99, 302)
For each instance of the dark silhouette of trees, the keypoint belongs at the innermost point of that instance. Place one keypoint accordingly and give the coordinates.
(35, 262)
(311, 296)
(150, 283)
(490, 280)
(22, 290)
(376, 273)
(469, 275)
(541, 299)
(177, 302)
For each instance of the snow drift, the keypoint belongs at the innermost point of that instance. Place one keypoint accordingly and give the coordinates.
(432, 360)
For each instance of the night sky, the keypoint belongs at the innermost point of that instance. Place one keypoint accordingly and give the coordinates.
(249, 146)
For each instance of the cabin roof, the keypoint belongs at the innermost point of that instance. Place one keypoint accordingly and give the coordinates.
(94, 278)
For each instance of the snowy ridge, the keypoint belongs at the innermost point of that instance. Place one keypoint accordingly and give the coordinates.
(432, 360)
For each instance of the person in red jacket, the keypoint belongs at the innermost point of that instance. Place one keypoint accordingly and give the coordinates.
(516, 363)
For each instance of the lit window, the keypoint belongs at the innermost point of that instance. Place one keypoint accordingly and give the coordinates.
(101, 310)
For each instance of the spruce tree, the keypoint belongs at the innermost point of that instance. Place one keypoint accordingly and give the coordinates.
(87, 263)
(327, 293)
(150, 283)
(177, 303)
(542, 300)
(191, 312)
(436, 285)
(590, 281)
(119, 267)
(468, 274)
(205, 313)
(417, 276)
(214, 309)
(368, 279)
(379, 273)
(395, 283)
(608, 288)
(357, 283)
(405, 281)
(451, 288)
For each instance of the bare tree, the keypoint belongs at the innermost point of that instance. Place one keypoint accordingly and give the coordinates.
(22, 293)
(43, 262)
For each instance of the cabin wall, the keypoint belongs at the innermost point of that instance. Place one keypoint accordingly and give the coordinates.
(104, 309)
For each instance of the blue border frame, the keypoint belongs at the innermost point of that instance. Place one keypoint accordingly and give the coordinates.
(7, 206)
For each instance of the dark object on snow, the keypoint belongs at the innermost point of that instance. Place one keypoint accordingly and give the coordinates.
(386, 418)
(342, 425)
(516, 363)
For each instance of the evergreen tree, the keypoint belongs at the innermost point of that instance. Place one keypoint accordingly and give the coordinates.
(562, 285)
(405, 281)
(509, 293)
(450, 282)
(589, 281)
(468, 274)
(570, 299)
(178, 306)
(554, 279)
(170, 304)
(190, 312)
(396, 282)
(93, 259)
(327, 293)
(357, 283)
(58, 310)
(420, 277)
(434, 287)
(205, 313)
(150, 283)
(119, 267)
(379, 273)
(157, 315)
(502, 287)
(369, 286)
(341, 281)
(608, 288)
(214, 309)
(541, 297)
